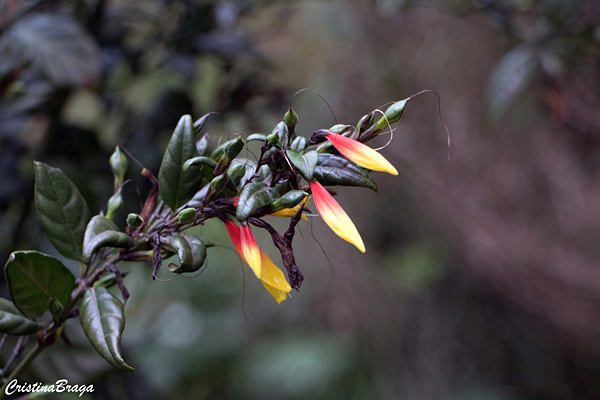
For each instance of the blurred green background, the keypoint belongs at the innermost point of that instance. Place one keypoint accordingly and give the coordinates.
(481, 278)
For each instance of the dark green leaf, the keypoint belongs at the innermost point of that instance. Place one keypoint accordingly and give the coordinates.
(102, 232)
(288, 200)
(191, 251)
(299, 144)
(253, 196)
(61, 209)
(509, 79)
(305, 163)
(175, 185)
(56, 45)
(33, 278)
(13, 322)
(333, 170)
(103, 320)
(207, 166)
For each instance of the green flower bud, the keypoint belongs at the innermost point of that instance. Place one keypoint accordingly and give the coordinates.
(273, 138)
(234, 147)
(218, 183)
(118, 164)
(290, 118)
(392, 114)
(236, 172)
(115, 203)
(134, 220)
(186, 215)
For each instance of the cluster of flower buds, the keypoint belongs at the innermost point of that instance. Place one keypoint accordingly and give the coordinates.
(240, 191)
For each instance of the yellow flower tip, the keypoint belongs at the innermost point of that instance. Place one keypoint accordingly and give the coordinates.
(273, 276)
(250, 249)
(335, 216)
(288, 212)
(360, 153)
(278, 295)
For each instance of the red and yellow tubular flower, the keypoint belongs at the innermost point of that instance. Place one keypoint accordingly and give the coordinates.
(271, 277)
(335, 216)
(250, 249)
(360, 153)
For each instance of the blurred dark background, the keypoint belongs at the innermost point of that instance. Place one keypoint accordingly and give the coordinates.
(481, 278)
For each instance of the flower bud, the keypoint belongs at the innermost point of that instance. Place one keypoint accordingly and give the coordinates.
(234, 147)
(118, 164)
(392, 114)
(290, 119)
(134, 220)
(218, 183)
(186, 215)
(236, 172)
(115, 203)
(319, 136)
(273, 138)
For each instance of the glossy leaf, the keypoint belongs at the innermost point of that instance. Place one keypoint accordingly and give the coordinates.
(13, 322)
(103, 320)
(253, 196)
(206, 165)
(333, 170)
(176, 185)
(61, 210)
(191, 252)
(305, 163)
(33, 278)
(102, 232)
(299, 144)
(256, 136)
